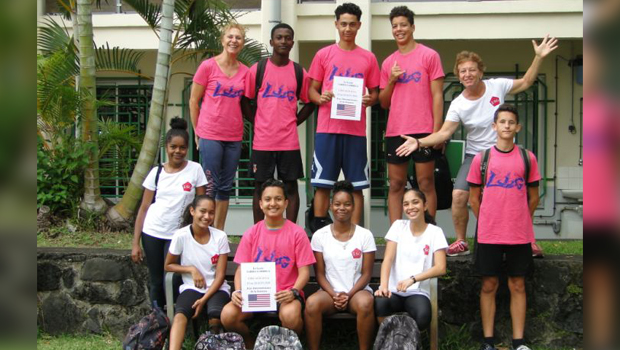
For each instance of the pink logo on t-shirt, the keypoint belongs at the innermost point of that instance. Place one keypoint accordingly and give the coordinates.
(495, 101)
(356, 253)
(187, 187)
(214, 259)
(426, 249)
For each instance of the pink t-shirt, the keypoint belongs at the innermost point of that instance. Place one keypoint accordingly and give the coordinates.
(357, 63)
(220, 113)
(275, 125)
(411, 110)
(288, 247)
(600, 132)
(504, 216)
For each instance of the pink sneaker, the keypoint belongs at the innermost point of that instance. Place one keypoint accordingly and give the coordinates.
(458, 248)
(537, 251)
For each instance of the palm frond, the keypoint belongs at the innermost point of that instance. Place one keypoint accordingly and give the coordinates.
(151, 13)
(117, 59)
(65, 9)
(57, 99)
(53, 37)
(252, 52)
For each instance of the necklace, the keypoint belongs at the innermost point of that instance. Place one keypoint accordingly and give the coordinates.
(349, 235)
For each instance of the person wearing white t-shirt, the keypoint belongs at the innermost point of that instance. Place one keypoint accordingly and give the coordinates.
(345, 254)
(415, 252)
(475, 108)
(168, 189)
(200, 253)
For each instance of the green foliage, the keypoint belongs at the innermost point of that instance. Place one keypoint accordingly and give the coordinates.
(60, 174)
(574, 289)
(119, 146)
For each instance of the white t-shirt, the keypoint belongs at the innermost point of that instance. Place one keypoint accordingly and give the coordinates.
(174, 193)
(202, 256)
(414, 254)
(343, 260)
(477, 116)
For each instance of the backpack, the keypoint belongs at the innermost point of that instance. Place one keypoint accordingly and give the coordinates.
(150, 333)
(260, 74)
(484, 165)
(159, 167)
(397, 332)
(277, 338)
(223, 341)
(443, 182)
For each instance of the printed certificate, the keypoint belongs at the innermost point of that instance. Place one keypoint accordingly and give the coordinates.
(347, 100)
(258, 286)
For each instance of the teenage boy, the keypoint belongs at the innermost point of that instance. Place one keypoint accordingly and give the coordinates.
(412, 89)
(273, 239)
(341, 144)
(276, 143)
(504, 202)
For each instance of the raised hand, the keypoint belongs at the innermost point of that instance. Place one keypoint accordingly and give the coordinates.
(396, 72)
(546, 46)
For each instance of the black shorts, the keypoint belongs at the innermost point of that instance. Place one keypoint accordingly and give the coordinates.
(264, 163)
(213, 308)
(421, 155)
(490, 257)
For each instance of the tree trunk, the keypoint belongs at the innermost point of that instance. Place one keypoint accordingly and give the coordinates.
(92, 200)
(122, 213)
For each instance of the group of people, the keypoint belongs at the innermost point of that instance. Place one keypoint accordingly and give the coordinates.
(183, 212)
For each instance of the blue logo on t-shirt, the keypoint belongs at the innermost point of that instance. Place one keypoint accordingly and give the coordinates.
(517, 182)
(405, 78)
(280, 93)
(337, 71)
(230, 92)
(283, 261)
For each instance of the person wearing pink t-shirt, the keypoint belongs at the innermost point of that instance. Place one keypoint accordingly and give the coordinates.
(412, 89)
(504, 203)
(341, 144)
(276, 143)
(218, 124)
(283, 242)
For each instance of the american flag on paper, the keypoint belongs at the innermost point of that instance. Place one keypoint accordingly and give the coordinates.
(258, 300)
(343, 110)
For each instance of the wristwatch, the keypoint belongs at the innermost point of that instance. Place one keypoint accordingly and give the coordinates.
(413, 278)
(295, 293)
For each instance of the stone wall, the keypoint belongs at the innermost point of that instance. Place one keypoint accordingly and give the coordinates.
(89, 291)
(92, 290)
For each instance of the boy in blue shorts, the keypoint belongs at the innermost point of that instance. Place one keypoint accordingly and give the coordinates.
(504, 199)
(340, 144)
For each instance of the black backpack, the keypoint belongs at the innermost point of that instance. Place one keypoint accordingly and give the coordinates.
(443, 183)
(398, 332)
(150, 333)
(277, 338)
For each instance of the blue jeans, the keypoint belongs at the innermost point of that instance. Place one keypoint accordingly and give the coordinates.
(219, 160)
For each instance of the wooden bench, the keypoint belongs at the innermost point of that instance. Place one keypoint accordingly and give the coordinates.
(313, 286)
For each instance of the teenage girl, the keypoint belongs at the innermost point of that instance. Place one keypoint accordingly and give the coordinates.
(168, 189)
(344, 254)
(203, 252)
(415, 252)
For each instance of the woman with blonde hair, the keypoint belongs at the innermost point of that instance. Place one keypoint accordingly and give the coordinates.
(218, 124)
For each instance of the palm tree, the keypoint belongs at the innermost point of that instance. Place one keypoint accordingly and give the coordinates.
(196, 36)
(92, 201)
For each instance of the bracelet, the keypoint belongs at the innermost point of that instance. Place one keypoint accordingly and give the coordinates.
(237, 291)
(418, 142)
(413, 278)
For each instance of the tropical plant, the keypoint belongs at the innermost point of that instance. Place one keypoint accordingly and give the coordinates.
(194, 35)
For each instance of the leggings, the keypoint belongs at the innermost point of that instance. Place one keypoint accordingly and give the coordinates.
(155, 251)
(219, 159)
(417, 306)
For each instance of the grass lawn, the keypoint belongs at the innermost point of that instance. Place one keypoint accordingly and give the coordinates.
(122, 240)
